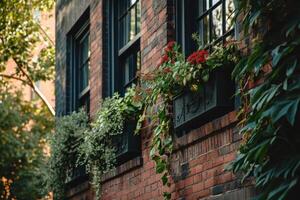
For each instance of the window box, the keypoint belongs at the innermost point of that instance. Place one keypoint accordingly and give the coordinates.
(127, 144)
(192, 109)
(77, 176)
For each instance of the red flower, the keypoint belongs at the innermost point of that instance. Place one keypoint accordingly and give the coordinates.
(198, 57)
(167, 70)
(170, 46)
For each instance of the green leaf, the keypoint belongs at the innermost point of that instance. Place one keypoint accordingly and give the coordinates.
(160, 166)
(291, 115)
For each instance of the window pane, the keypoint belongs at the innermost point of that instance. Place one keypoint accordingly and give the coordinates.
(131, 64)
(132, 2)
(129, 22)
(204, 30)
(132, 24)
(122, 32)
(202, 5)
(214, 2)
(229, 14)
(216, 31)
(84, 50)
(138, 17)
(83, 77)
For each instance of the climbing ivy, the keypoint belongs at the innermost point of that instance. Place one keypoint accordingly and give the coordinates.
(269, 83)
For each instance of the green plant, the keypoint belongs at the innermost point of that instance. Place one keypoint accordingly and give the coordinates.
(97, 150)
(64, 144)
(171, 77)
(270, 151)
(23, 130)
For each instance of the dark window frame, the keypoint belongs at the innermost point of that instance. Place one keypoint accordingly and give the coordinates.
(186, 24)
(115, 71)
(187, 17)
(76, 97)
(116, 53)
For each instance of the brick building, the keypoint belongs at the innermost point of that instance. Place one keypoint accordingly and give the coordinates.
(99, 46)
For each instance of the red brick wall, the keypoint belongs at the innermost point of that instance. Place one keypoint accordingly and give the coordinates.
(200, 156)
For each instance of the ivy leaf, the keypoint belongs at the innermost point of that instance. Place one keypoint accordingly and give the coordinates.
(291, 116)
(161, 166)
(290, 69)
(254, 17)
(164, 179)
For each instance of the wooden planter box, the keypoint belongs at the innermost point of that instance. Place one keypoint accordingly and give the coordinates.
(78, 176)
(192, 109)
(127, 144)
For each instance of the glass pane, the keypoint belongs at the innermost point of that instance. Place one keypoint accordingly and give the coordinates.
(132, 23)
(123, 6)
(132, 2)
(204, 30)
(216, 30)
(203, 5)
(122, 32)
(84, 50)
(130, 66)
(138, 17)
(83, 77)
(126, 72)
(138, 62)
(229, 14)
(214, 2)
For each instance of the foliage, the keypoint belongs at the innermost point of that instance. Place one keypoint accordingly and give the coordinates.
(21, 37)
(170, 78)
(23, 127)
(23, 124)
(65, 152)
(270, 111)
(98, 150)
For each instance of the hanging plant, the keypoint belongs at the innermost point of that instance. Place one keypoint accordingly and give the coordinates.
(64, 144)
(98, 151)
(175, 74)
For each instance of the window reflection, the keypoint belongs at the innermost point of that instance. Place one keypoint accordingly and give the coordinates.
(129, 21)
(214, 20)
(229, 14)
(216, 31)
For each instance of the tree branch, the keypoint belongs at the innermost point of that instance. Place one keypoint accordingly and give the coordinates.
(14, 77)
(45, 34)
(31, 83)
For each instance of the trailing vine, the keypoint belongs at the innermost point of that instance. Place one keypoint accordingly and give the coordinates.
(77, 142)
(270, 111)
(174, 75)
(98, 151)
(64, 145)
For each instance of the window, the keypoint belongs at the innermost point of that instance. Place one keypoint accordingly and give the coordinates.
(78, 66)
(211, 19)
(82, 70)
(124, 44)
(77, 81)
(124, 59)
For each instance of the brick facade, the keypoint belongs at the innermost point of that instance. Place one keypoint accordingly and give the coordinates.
(200, 156)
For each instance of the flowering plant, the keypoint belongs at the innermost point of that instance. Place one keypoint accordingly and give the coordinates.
(174, 74)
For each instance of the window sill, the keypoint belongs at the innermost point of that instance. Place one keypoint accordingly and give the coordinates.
(122, 169)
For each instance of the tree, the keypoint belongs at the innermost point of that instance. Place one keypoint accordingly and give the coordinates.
(20, 34)
(23, 128)
(23, 124)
